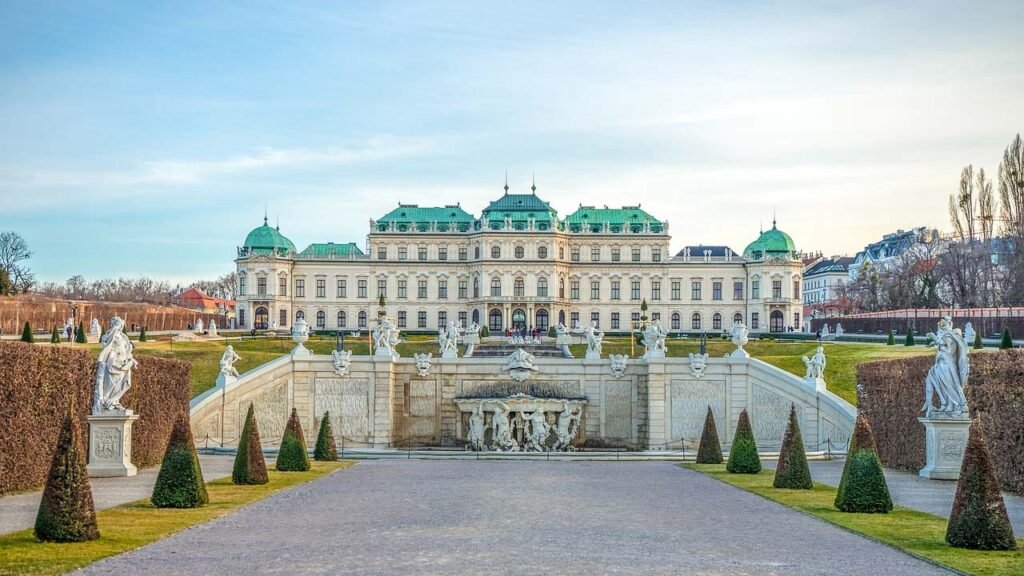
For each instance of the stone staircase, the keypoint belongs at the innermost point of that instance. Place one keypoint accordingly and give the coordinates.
(502, 350)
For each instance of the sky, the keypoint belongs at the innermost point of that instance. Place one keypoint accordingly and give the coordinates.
(148, 138)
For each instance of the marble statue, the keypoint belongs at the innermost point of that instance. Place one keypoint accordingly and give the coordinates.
(472, 338)
(739, 339)
(947, 378)
(94, 329)
(501, 429)
(300, 334)
(519, 365)
(539, 430)
(824, 329)
(113, 369)
(423, 363)
(969, 334)
(385, 338)
(213, 328)
(199, 326)
(815, 365)
(698, 364)
(448, 338)
(618, 364)
(839, 329)
(563, 339)
(227, 362)
(654, 340)
(594, 340)
(566, 428)
(341, 360)
(475, 437)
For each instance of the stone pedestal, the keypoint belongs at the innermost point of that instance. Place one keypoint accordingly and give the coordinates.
(945, 441)
(449, 353)
(592, 355)
(226, 379)
(649, 353)
(818, 383)
(110, 444)
(739, 353)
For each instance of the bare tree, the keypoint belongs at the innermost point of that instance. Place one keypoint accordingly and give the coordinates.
(966, 264)
(13, 253)
(1011, 196)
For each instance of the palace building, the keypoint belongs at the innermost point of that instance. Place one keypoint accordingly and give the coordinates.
(519, 264)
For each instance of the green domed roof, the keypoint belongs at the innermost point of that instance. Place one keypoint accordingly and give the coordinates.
(266, 239)
(772, 242)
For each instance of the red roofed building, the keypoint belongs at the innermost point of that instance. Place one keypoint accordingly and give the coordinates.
(196, 299)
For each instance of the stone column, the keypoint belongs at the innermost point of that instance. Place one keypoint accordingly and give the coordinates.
(945, 442)
(110, 444)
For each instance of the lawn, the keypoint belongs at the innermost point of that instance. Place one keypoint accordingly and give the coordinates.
(915, 532)
(136, 524)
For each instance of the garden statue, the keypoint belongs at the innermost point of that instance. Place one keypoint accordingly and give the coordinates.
(502, 431)
(385, 338)
(739, 339)
(519, 365)
(594, 338)
(563, 339)
(947, 378)
(815, 365)
(94, 328)
(969, 334)
(839, 329)
(341, 360)
(448, 337)
(654, 340)
(618, 364)
(567, 427)
(199, 326)
(472, 338)
(698, 364)
(213, 329)
(475, 437)
(423, 363)
(539, 430)
(227, 362)
(113, 369)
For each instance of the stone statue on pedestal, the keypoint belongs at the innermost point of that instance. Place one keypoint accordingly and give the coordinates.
(385, 338)
(539, 430)
(448, 338)
(113, 369)
(594, 339)
(654, 340)
(227, 362)
(110, 425)
(947, 378)
(213, 328)
(94, 328)
(815, 365)
(475, 437)
(739, 339)
(199, 326)
(566, 428)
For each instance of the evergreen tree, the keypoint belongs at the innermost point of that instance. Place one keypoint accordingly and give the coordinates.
(142, 334)
(792, 470)
(863, 487)
(1005, 344)
(891, 341)
(978, 520)
(978, 344)
(325, 449)
(66, 512)
(80, 338)
(54, 336)
(180, 481)
(910, 338)
(292, 456)
(484, 332)
(743, 458)
(250, 468)
(26, 334)
(710, 449)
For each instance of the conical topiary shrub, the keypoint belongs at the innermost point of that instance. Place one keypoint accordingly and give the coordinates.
(292, 456)
(863, 487)
(978, 520)
(710, 449)
(66, 512)
(891, 340)
(54, 336)
(325, 449)
(1004, 344)
(142, 334)
(910, 338)
(81, 338)
(978, 344)
(250, 468)
(180, 481)
(743, 458)
(792, 470)
(26, 334)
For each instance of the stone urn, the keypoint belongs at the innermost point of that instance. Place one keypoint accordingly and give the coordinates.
(300, 335)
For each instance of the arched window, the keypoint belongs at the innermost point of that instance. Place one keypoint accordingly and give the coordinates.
(520, 252)
(561, 252)
(561, 288)
(675, 321)
(494, 320)
(299, 314)
(321, 320)
(342, 319)
(737, 318)
(542, 320)
(476, 316)
(476, 287)
(542, 287)
(495, 286)
(542, 252)
(716, 321)
(695, 321)
(518, 287)
(777, 322)
(476, 252)
(362, 319)
(495, 252)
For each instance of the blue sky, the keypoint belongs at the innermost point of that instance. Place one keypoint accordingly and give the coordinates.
(146, 138)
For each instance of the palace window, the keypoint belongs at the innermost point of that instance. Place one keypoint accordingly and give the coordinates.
(361, 289)
(542, 287)
(656, 316)
(676, 291)
(402, 290)
(403, 320)
(520, 252)
(737, 318)
(300, 314)
(382, 287)
(283, 318)
(695, 290)
(463, 289)
(494, 320)
(595, 290)
(755, 321)
(476, 287)
(421, 289)
(442, 253)
(695, 321)
(476, 252)
(342, 288)
(655, 290)
(635, 318)
(656, 254)
(300, 288)
(634, 290)
(463, 253)
(796, 320)
(616, 254)
(402, 253)
(575, 254)
(615, 320)
(241, 317)
(361, 319)
(616, 290)
(495, 286)
(561, 253)
(595, 254)
(241, 284)
(796, 289)
(442, 289)
(542, 252)
(382, 253)
(737, 290)
(421, 319)
(261, 285)
(595, 319)
(442, 318)
(518, 287)
(716, 321)
(777, 289)
(716, 290)
(574, 319)
(462, 318)
(755, 289)
(574, 290)
(421, 253)
(495, 252)
(321, 320)
(561, 287)
(636, 254)
(321, 288)
(342, 319)
(675, 321)
(282, 285)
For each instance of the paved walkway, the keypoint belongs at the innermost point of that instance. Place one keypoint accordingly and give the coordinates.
(467, 517)
(18, 511)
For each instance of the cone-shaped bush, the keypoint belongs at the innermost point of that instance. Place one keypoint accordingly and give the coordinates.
(250, 468)
(325, 449)
(891, 341)
(978, 520)
(863, 487)
(26, 334)
(1004, 344)
(292, 456)
(180, 481)
(66, 512)
(142, 334)
(743, 458)
(792, 470)
(978, 344)
(54, 336)
(710, 449)
(81, 338)
(910, 338)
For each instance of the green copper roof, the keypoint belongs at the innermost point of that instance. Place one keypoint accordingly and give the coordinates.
(520, 209)
(331, 250)
(413, 216)
(772, 242)
(631, 218)
(265, 240)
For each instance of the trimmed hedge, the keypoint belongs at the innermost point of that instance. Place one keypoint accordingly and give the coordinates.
(250, 467)
(978, 343)
(292, 455)
(710, 449)
(890, 394)
(978, 519)
(325, 449)
(40, 382)
(180, 481)
(863, 487)
(743, 458)
(66, 511)
(792, 470)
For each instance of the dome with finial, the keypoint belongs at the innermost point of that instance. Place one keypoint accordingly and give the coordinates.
(268, 240)
(771, 243)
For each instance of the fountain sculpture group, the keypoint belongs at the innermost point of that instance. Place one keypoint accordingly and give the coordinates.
(540, 424)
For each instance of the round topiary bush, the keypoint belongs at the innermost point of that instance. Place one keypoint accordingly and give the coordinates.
(66, 511)
(250, 467)
(180, 481)
(978, 520)
(743, 458)
(863, 487)
(710, 449)
(292, 456)
(792, 470)
(325, 449)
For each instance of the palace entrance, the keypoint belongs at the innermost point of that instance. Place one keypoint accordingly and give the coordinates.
(261, 320)
(518, 319)
(777, 322)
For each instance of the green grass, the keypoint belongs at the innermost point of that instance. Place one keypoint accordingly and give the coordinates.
(914, 532)
(136, 524)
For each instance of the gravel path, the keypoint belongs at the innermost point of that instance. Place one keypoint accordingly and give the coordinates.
(466, 517)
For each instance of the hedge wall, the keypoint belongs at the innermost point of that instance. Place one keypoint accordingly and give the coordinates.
(890, 394)
(38, 384)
